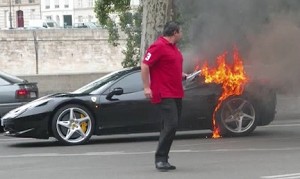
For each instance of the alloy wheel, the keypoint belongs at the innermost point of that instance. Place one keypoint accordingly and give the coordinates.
(74, 125)
(238, 115)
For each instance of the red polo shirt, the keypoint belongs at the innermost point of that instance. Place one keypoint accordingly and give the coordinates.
(165, 63)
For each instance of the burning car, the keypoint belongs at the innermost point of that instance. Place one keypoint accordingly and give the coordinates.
(115, 104)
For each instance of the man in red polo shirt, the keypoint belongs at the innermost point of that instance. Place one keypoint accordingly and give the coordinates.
(162, 77)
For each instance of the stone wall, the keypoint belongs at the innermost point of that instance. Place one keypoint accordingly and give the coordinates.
(49, 84)
(58, 51)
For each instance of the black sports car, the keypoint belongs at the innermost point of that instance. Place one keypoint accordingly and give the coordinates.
(116, 104)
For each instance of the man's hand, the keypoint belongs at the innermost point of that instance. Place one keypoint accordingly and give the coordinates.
(148, 93)
(184, 76)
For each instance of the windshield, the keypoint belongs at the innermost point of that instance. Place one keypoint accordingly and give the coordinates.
(90, 25)
(50, 24)
(100, 82)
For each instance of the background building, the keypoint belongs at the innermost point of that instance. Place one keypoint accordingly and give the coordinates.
(60, 11)
(21, 12)
(64, 12)
(68, 12)
(84, 11)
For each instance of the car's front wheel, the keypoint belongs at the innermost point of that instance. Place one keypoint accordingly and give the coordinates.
(237, 116)
(73, 124)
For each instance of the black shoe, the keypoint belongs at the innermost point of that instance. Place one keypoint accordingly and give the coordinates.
(164, 166)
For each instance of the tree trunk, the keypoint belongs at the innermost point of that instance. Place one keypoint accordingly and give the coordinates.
(155, 14)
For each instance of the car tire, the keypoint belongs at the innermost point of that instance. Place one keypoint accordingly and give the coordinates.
(73, 124)
(237, 116)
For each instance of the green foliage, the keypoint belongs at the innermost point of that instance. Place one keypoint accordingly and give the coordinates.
(130, 24)
(113, 32)
(104, 7)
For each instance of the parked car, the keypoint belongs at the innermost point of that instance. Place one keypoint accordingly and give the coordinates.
(89, 25)
(116, 104)
(15, 92)
(42, 24)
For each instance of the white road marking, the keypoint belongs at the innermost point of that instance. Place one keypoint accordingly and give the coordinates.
(114, 153)
(14, 139)
(72, 155)
(285, 176)
(282, 125)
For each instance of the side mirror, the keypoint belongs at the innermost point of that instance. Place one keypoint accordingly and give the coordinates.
(115, 91)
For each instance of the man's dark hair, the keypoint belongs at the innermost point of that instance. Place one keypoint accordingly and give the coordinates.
(170, 28)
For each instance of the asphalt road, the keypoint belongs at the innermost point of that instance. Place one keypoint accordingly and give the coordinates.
(271, 152)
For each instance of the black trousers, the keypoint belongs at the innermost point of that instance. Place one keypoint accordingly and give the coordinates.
(170, 112)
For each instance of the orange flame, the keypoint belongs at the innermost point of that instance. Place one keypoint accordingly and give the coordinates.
(231, 77)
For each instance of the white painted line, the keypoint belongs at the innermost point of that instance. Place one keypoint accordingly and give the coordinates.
(256, 149)
(181, 151)
(14, 139)
(62, 155)
(282, 125)
(114, 153)
(285, 176)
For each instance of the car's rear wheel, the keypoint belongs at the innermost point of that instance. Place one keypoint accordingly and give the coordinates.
(73, 124)
(237, 116)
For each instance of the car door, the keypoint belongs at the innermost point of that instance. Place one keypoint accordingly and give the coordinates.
(198, 104)
(131, 110)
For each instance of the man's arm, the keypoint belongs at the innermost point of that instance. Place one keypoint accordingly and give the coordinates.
(146, 80)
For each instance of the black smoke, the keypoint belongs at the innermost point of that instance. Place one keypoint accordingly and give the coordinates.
(266, 32)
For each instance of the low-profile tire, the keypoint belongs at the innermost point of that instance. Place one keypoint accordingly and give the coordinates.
(73, 124)
(237, 116)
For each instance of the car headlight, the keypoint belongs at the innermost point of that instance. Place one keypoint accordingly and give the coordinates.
(18, 111)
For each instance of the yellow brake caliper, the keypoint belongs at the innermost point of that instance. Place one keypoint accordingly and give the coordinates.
(84, 124)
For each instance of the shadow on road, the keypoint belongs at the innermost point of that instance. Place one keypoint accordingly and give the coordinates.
(96, 140)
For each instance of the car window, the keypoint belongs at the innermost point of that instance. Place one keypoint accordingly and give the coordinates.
(98, 83)
(101, 82)
(130, 84)
(3, 82)
(45, 25)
